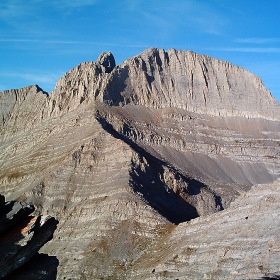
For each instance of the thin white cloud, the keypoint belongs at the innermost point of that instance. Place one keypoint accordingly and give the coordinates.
(35, 78)
(25, 18)
(156, 19)
(257, 40)
(248, 50)
(46, 81)
(17, 12)
(204, 17)
(10, 10)
(181, 13)
(11, 40)
(66, 42)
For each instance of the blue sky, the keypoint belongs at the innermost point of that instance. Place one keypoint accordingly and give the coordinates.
(40, 40)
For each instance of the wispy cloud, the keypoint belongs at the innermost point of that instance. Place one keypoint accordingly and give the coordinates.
(34, 78)
(25, 18)
(205, 17)
(66, 42)
(11, 10)
(15, 8)
(248, 50)
(29, 17)
(46, 81)
(257, 40)
(197, 15)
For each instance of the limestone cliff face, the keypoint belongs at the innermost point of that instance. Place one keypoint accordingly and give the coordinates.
(21, 109)
(79, 85)
(124, 156)
(197, 83)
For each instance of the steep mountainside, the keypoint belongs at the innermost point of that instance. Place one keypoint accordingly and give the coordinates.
(124, 156)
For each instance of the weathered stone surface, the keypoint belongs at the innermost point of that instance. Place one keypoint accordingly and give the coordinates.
(107, 61)
(21, 237)
(196, 83)
(80, 85)
(241, 242)
(21, 110)
(122, 154)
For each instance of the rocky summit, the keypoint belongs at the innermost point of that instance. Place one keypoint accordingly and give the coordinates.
(164, 167)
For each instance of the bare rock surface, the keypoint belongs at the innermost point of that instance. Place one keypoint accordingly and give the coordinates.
(137, 161)
(21, 237)
(241, 242)
(197, 83)
(21, 110)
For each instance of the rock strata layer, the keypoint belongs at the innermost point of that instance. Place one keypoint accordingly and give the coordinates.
(137, 161)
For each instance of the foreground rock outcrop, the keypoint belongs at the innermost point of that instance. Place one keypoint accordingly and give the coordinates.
(21, 237)
(137, 161)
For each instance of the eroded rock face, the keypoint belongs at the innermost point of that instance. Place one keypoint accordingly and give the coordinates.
(241, 242)
(21, 237)
(80, 85)
(196, 83)
(121, 155)
(21, 109)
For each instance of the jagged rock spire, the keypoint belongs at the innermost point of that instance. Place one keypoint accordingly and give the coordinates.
(107, 60)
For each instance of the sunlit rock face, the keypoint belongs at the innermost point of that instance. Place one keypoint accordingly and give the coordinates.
(138, 159)
(193, 82)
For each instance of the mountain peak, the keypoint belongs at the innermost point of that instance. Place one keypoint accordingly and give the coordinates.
(198, 83)
(107, 60)
(124, 156)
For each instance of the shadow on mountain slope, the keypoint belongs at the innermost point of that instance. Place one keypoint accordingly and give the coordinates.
(148, 179)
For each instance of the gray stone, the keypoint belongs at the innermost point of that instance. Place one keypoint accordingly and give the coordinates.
(107, 60)
(137, 161)
(21, 237)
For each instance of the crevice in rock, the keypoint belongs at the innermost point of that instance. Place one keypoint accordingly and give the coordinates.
(274, 277)
(218, 201)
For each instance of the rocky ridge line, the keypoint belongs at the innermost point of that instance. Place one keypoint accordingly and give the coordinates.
(114, 147)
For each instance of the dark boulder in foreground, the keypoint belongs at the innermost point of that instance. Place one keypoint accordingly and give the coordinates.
(21, 237)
